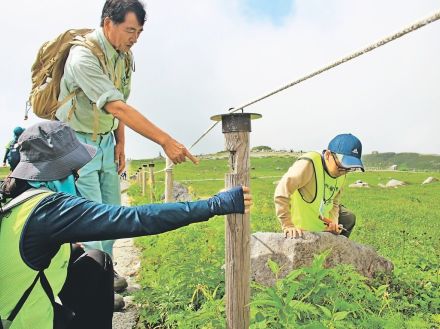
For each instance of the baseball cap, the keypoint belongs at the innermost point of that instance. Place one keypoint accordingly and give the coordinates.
(349, 149)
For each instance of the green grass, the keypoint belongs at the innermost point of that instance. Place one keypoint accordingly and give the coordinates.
(181, 270)
(4, 171)
(404, 161)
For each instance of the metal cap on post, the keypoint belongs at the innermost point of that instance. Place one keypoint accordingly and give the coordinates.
(234, 122)
(236, 128)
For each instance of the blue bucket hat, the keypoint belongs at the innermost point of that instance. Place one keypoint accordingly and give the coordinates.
(349, 148)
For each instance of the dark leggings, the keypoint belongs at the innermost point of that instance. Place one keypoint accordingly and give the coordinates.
(347, 219)
(88, 290)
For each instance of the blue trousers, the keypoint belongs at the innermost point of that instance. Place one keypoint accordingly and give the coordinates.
(99, 180)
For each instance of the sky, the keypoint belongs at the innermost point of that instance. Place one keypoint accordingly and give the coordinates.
(199, 58)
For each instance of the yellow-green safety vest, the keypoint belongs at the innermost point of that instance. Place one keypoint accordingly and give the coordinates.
(16, 276)
(305, 214)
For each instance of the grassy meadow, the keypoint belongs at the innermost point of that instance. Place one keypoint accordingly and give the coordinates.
(183, 280)
(4, 171)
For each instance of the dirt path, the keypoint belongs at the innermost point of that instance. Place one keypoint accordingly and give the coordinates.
(126, 257)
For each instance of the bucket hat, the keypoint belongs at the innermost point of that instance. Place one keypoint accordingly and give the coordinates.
(350, 149)
(49, 151)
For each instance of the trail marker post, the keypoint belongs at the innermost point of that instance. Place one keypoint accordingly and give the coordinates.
(169, 181)
(144, 178)
(151, 181)
(140, 175)
(236, 128)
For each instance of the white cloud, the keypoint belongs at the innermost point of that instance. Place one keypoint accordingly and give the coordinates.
(198, 58)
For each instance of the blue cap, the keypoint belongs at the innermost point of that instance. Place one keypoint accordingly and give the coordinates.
(350, 147)
(18, 131)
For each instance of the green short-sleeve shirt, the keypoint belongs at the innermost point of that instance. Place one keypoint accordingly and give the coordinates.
(83, 71)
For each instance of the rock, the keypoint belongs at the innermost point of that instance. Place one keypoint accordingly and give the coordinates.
(394, 183)
(128, 300)
(180, 192)
(290, 254)
(359, 183)
(430, 180)
(118, 303)
(135, 287)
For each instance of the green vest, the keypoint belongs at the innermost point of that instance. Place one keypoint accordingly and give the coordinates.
(16, 276)
(305, 214)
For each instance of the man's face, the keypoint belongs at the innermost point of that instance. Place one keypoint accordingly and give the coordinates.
(124, 35)
(334, 167)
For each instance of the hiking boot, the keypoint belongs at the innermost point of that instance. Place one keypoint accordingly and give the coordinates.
(119, 303)
(119, 282)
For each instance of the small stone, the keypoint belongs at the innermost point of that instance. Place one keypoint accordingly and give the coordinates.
(133, 288)
(430, 180)
(394, 183)
(119, 303)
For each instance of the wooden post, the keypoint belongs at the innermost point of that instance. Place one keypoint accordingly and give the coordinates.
(140, 175)
(169, 181)
(236, 128)
(151, 181)
(144, 178)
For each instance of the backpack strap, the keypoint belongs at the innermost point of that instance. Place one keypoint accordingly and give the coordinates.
(97, 51)
(21, 301)
(23, 197)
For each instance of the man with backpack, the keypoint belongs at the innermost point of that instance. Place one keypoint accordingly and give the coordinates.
(94, 85)
(12, 154)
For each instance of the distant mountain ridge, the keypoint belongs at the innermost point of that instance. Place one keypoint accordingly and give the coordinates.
(403, 161)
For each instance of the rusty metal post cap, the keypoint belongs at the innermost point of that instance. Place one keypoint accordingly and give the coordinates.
(235, 122)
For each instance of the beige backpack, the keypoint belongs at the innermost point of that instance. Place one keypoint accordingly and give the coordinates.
(48, 70)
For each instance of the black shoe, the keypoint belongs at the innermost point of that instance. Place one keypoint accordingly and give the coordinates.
(119, 282)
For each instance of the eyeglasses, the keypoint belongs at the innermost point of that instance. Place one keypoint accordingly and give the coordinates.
(338, 164)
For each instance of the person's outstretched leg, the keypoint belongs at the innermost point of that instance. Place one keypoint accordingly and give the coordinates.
(88, 289)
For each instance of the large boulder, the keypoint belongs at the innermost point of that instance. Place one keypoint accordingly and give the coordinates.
(430, 180)
(299, 252)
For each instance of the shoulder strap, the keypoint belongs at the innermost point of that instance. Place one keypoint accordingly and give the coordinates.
(94, 47)
(23, 298)
(23, 197)
(47, 289)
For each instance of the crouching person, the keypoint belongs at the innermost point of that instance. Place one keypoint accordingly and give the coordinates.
(44, 282)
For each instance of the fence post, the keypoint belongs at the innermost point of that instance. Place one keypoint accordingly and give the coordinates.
(169, 181)
(144, 178)
(140, 175)
(236, 128)
(151, 181)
